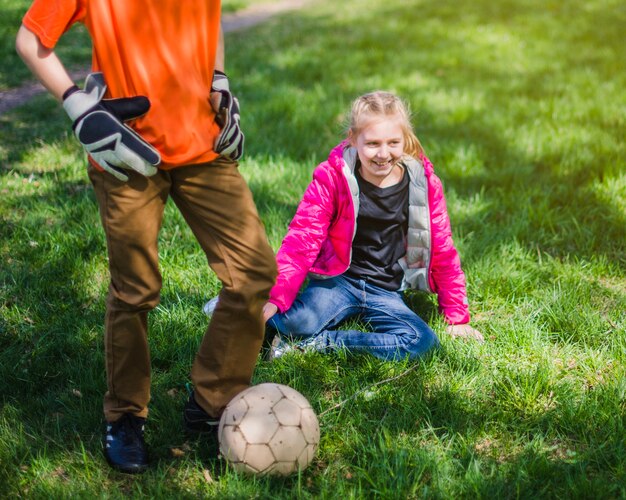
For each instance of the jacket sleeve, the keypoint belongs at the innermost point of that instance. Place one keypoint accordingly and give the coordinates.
(307, 232)
(448, 279)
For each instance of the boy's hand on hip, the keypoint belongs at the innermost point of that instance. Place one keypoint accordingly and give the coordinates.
(464, 331)
(231, 139)
(99, 126)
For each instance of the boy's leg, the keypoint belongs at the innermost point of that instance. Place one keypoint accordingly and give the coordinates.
(218, 206)
(131, 214)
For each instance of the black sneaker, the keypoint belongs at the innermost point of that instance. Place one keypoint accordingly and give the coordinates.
(196, 420)
(124, 447)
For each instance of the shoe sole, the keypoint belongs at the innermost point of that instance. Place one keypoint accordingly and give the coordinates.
(200, 429)
(136, 469)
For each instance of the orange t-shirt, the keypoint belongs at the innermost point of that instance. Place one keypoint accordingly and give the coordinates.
(163, 49)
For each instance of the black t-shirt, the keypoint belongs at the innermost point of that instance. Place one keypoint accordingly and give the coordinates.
(380, 238)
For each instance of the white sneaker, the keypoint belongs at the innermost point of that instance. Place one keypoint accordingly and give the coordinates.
(280, 348)
(210, 306)
(312, 344)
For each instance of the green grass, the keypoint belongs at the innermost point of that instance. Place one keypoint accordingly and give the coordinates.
(230, 6)
(75, 50)
(519, 104)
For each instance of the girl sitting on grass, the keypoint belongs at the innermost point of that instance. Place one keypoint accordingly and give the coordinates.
(372, 223)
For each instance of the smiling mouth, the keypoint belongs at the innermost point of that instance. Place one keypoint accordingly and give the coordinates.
(383, 163)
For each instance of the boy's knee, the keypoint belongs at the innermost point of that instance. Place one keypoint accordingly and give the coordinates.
(262, 272)
(134, 299)
(269, 270)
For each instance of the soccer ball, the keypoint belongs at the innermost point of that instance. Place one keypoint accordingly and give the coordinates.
(269, 429)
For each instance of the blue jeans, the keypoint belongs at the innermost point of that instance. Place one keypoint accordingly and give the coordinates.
(397, 332)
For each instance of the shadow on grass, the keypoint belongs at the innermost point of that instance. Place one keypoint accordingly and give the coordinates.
(471, 94)
(415, 434)
(53, 282)
(506, 107)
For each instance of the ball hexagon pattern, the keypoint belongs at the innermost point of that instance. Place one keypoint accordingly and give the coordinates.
(269, 429)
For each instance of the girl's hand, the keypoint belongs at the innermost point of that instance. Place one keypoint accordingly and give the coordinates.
(269, 310)
(464, 331)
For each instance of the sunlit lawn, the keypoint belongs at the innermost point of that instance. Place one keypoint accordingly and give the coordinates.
(520, 105)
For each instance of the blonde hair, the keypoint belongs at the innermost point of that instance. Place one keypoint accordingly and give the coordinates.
(384, 104)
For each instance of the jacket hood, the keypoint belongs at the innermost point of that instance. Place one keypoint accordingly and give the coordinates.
(335, 157)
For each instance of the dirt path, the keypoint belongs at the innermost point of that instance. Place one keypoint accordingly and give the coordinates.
(243, 19)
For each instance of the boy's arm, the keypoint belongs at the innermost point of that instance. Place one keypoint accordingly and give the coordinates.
(231, 139)
(216, 97)
(97, 124)
(43, 62)
(219, 55)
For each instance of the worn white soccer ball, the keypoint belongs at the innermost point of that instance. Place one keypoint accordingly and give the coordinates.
(269, 429)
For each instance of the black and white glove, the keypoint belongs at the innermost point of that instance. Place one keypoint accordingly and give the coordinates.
(99, 126)
(230, 141)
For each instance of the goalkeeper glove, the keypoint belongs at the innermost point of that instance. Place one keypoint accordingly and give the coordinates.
(231, 139)
(99, 126)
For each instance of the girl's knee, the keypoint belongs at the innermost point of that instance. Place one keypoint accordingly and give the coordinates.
(296, 326)
(421, 343)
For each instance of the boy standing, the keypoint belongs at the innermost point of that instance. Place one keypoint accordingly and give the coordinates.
(157, 119)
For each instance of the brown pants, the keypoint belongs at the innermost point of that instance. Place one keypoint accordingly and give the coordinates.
(217, 204)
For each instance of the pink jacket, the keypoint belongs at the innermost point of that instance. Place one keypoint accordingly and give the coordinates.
(319, 239)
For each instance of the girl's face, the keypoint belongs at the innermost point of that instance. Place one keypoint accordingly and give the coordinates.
(380, 145)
